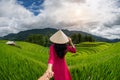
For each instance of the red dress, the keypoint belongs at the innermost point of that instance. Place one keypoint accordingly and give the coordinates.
(60, 68)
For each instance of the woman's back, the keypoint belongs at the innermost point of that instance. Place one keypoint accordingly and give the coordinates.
(60, 69)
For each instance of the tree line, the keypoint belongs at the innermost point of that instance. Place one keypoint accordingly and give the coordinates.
(44, 39)
(38, 39)
(77, 38)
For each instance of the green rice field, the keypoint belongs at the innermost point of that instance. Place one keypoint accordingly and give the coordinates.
(93, 61)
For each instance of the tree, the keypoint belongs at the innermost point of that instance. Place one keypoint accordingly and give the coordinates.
(77, 38)
(88, 38)
(38, 39)
(91, 39)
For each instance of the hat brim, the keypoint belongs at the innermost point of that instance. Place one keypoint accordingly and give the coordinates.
(59, 38)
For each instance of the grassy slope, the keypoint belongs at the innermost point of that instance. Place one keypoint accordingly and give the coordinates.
(25, 63)
(93, 61)
(102, 65)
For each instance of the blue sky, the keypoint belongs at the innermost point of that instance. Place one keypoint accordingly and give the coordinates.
(32, 5)
(98, 17)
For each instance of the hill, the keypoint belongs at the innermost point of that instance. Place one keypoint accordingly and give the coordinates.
(49, 31)
(19, 63)
(96, 61)
(93, 61)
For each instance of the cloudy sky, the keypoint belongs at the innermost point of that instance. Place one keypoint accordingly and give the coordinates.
(98, 17)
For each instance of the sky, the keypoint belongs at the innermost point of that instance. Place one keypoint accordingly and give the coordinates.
(97, 17)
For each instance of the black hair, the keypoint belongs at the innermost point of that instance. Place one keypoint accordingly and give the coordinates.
(60, 49)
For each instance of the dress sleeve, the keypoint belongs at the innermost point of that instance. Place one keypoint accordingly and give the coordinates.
(71, 49)
(51, 56)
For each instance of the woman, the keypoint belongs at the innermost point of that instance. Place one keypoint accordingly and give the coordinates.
(57, 66)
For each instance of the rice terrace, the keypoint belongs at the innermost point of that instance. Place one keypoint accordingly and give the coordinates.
(93, 61)
(89, 32)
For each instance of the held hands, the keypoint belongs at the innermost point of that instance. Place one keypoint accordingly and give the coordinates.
(47, 75)
(44, 77)
(50, 73)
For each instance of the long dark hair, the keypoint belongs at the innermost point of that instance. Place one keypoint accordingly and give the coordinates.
(60, 49)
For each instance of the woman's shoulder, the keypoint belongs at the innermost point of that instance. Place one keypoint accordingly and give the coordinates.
(68, 45)
(52, 45)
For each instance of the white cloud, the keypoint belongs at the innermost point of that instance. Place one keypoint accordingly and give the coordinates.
(85, 15)
(98, 17)
(13, 16)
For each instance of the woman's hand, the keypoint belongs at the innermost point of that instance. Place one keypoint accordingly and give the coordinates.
(50, 73)
(44, 77)
(47, 75)
(70, 40)
(71, 43)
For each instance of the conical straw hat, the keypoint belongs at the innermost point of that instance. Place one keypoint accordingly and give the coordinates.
(59, 37)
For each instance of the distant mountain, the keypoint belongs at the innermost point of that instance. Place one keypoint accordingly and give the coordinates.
(115, 40)
(0, 37)
(24, 34)
(49, 31)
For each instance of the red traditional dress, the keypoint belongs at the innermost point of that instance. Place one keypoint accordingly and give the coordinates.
(60, 68)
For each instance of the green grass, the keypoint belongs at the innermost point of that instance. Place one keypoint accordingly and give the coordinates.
(93, 61)
(103, 64)
(23, 63)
